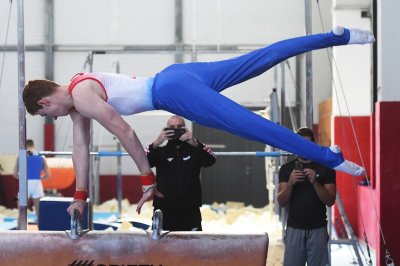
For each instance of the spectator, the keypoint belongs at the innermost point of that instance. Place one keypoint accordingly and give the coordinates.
(37, 170)
(178, 166)
(307, 187)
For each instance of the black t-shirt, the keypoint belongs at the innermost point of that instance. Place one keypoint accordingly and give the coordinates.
(178, 174)
(306, 210)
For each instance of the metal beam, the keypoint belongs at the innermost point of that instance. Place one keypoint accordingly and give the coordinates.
(179, 31)
(22, 164)
(120, 153)
(49, 39)
(142, 49)
(309, 76)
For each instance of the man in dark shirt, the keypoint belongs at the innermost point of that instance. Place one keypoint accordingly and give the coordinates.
(307, 187)
(178, 165)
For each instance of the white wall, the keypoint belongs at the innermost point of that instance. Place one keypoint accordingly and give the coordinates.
(352, 67)
(34, 35)
(388, 51)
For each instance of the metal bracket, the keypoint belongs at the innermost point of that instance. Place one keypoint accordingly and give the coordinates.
(157, 233)
(76, 228)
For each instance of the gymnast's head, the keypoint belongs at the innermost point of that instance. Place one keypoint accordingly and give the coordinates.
(41, 97)
(35, 91)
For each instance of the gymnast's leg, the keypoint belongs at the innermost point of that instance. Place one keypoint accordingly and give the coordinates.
(186, 89)
(223, 74)
(184, 95)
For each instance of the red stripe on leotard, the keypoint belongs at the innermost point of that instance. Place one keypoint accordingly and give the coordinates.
(83, 76)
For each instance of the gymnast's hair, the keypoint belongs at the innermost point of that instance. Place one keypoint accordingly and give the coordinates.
(36, 90)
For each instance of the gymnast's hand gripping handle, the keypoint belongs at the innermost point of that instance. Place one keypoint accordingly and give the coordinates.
(76, 229)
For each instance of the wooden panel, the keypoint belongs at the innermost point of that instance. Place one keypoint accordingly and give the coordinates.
(324, 129)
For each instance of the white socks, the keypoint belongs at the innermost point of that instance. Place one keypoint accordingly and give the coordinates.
(350, 168)
(338, 30)
(347, 166)
(335, 149)
(357, 36)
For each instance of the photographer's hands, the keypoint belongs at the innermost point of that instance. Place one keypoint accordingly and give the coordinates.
(165, 134)
(311, 175)
(188, 137)
(300, 176)
(295, 177)
(168, 134)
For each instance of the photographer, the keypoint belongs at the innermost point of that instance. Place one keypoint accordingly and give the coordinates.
(307, 187)
(178, 165)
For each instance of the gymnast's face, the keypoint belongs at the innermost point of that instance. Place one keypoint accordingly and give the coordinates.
(51, 108)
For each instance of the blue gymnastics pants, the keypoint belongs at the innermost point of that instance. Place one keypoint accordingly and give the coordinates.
(192, 90)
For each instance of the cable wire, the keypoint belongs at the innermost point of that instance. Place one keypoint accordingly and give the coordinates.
(332, 59)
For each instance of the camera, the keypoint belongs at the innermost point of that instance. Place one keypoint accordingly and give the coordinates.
(178, 132)
(298, 166)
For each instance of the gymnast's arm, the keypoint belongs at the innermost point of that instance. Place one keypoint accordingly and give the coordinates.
(80, 156)
(88, 102)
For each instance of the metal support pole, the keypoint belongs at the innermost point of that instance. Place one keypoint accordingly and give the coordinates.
(179, 31)
(49, 67)
(119, 181)
(194, 28)
(91, 160)
(299, 86)
(49, 39)
(23, 183)
(353, 241)
(309, 77)
(274, 117)
(96, 176)
(283, 93)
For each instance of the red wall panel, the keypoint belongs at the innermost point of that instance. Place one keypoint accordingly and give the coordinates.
(387, 145)
(131, 188)
(348, 185)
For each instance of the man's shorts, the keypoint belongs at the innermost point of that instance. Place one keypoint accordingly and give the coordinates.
(35, 189)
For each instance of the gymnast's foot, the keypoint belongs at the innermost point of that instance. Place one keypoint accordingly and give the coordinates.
(357, 36)
(347, 166)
